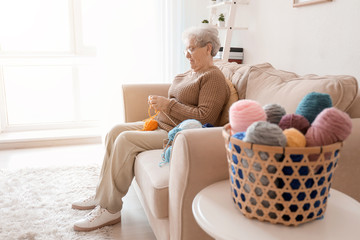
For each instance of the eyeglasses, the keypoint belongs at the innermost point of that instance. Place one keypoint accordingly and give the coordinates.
(191, 50)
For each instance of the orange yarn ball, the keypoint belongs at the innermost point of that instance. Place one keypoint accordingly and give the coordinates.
(294, 138)
(150, 125)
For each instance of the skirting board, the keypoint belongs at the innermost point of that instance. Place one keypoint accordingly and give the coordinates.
(47, 142)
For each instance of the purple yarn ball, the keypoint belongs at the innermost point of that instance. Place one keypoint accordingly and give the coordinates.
(296, 121)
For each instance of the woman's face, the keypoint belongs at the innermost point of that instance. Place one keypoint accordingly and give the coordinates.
(199, 57)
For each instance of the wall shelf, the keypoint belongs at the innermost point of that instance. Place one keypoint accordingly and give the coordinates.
(231, 5)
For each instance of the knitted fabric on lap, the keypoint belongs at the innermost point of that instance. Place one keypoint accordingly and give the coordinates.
(294, 121)
(330, 126)
(243, 113)
(312, 104)
(274, 113)
(265, 133)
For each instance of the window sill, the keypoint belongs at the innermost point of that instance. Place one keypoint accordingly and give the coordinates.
(49, 138)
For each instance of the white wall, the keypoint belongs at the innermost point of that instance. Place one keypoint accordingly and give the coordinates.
(320, 39)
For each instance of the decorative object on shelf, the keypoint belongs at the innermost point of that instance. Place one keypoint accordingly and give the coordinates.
(300, 3)
(205, 21)
(236, 54)
(221, 20)
(213, 1)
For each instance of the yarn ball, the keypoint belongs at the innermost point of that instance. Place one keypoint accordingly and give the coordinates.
(265, 133)
(294, 138)
(240, 136)
(150, 125)
(330, 126)
(189, 124)
(274, 113)
(312, 104)
(186, 124)
(294, 121)
(243, 113)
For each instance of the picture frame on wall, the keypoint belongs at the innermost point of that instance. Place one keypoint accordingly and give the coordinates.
(300, 3)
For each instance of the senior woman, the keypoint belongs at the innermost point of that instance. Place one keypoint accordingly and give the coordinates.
(200, 93)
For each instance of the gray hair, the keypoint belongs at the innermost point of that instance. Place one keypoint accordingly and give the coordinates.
(203, 35)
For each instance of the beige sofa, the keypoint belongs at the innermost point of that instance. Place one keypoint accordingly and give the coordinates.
(198, 158)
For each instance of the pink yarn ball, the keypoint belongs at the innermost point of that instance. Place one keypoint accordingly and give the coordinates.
(296, 121)
(330, 126)
(243, 113)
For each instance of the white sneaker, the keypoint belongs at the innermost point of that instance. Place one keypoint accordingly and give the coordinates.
(85, 204)
(97, 218)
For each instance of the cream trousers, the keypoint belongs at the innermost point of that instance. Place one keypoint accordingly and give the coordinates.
(123, 142)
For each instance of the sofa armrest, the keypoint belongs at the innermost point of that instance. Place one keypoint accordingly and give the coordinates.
(135, 98)
(198, 159)
(346, 176)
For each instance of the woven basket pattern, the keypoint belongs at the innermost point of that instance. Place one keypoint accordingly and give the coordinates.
(289, 186)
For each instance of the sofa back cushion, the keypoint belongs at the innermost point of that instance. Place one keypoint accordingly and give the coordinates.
(265, 84)
(224, 119)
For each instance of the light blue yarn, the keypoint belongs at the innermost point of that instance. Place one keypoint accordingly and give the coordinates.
(186, 124)
(173, 132)
(189, 124)
(166, 156)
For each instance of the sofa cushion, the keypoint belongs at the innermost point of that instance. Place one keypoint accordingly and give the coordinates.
(224, 119)
(153, 181)
(265, 84)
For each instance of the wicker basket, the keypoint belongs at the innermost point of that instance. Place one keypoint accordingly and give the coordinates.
(280, 185)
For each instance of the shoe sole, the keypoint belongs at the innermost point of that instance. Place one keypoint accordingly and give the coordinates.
(82, 207)
(113, 222)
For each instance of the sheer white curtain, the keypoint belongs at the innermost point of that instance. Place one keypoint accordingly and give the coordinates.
(138, 43)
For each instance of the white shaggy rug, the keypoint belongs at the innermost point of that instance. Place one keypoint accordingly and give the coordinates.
(36, 203)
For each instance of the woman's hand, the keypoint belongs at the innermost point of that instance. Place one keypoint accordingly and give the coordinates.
(159, 103)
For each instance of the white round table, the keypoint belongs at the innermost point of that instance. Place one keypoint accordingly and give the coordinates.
(216, 213)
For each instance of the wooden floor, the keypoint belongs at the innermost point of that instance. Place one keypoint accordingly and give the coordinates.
(134, 223)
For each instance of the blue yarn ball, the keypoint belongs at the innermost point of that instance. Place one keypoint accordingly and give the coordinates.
(239, 135)
(312, 104)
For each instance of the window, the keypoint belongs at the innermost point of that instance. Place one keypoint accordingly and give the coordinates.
(62, 62)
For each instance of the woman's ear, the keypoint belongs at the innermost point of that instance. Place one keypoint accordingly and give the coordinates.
(209, 48)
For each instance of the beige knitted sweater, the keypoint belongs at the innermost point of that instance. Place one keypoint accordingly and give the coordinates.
(199, 96)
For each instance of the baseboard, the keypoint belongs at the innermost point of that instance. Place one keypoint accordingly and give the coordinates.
(36, 139)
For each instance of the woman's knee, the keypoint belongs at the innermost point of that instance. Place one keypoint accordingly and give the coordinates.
(113, 134)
